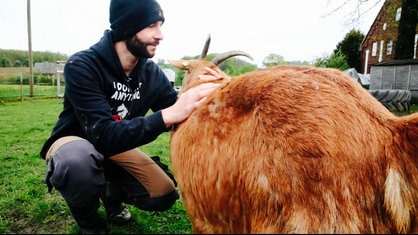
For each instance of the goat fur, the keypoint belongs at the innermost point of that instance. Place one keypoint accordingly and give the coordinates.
(291, 149)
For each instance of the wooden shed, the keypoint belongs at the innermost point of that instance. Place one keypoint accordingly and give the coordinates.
(396, 75)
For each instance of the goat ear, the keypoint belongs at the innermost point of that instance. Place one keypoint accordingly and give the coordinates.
(181, 64)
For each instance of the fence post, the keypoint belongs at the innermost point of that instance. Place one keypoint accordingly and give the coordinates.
(21, 87)
(58, 85)
(60, 70)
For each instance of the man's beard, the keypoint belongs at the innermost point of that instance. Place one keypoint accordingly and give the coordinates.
(137, 48)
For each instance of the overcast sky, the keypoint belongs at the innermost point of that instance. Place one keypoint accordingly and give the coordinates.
(296, 29)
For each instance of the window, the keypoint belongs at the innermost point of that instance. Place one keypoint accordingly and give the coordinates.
(389, 47)
(381, 50)
(384, 26)
(374, 49)
(398, 14)
(415, 46)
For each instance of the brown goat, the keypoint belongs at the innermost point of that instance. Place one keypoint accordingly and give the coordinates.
(293, 149)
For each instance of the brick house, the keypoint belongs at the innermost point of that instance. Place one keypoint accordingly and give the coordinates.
(379, 44)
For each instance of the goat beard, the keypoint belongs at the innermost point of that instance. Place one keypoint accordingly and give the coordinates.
(137, 48)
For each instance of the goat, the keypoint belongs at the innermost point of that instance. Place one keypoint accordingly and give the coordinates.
(295, 149)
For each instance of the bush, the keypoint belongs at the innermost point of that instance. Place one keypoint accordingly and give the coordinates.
(336, 60)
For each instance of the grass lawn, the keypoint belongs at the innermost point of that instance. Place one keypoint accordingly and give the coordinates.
(26, 207)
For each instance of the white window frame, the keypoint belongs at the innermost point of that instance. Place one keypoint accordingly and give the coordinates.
(398, 14)
(415, 46)
(381, 51)
(389, 46)
(374, 48)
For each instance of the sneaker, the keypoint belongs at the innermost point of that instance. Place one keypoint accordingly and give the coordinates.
(119, 215)
(102, 230)
(88, 220)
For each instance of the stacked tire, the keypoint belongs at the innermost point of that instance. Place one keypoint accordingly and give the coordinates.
(394, 100)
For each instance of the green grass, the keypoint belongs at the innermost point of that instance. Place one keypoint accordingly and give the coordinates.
(10, 92)
(25, 204)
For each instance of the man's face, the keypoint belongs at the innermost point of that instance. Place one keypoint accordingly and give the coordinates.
(145, 42)
(138, 48)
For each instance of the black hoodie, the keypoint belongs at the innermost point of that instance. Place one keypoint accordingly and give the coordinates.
(104, 106)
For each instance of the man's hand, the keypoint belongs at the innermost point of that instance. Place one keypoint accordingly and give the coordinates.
(190, 99)
(214, 75)
(187, 103)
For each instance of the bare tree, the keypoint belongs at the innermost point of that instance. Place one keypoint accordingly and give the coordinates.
(357, 10)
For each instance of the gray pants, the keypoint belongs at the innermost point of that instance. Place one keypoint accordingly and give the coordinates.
(82, 175)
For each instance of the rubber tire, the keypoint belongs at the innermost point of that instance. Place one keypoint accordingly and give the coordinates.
(394, 100)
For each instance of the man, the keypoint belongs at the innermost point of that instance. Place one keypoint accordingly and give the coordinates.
(92, 151)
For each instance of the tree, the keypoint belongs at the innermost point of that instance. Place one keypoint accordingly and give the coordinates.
(19, 58)
(17, 63)
(235, 66)
(336, 60)
(407, 30)
(4, 62)
(273, 60)
(350, 47)
(299, 62)
(359, 9)
(231, 67)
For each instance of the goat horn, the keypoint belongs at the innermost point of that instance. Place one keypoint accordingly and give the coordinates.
(205, 48)
(221, 57)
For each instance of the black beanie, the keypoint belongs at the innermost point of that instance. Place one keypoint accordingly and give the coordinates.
(127, 17)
